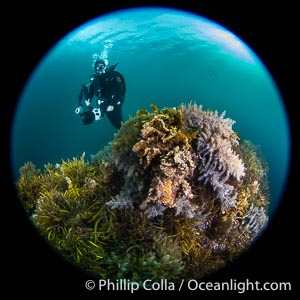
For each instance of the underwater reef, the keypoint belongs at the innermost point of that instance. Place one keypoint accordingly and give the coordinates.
(176, 194)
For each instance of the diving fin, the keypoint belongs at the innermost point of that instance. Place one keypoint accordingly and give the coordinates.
(112, 68)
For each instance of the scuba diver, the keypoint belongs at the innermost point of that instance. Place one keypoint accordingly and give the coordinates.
(109, 88)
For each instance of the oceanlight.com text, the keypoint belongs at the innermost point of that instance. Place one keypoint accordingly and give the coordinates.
(239, 286)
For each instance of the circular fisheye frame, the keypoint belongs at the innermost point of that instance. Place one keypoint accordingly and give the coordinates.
(158, 164)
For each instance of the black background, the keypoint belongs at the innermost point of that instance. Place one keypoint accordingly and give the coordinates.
(29, 267)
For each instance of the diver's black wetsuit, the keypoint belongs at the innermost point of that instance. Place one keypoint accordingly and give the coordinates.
(109, 88)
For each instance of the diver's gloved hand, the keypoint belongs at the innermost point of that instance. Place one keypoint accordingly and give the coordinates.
(110, 108)
(78, 110)
(87, 102)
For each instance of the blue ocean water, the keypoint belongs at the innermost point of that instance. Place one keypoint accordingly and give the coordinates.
(167, 57)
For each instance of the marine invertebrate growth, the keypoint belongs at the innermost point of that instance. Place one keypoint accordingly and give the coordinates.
(177, 194)
(216, 143)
